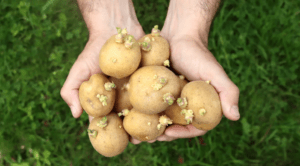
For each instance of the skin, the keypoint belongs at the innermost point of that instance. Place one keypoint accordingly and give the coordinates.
(142, 95)
(188, 45)
(112, 139)
(118, 61)
(89, 101)
(136, 124)
(122, 96)
(202, 96)
(186, 28)
(160, 51)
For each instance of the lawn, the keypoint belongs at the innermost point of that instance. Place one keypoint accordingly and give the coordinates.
(257, 42)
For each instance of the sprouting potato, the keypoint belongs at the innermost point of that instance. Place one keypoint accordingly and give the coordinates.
(153, 88)
(120, 56)
(97, 95)
(203, 100)
(174, 112)
(107, 135)
(144, 127)
(155, 49)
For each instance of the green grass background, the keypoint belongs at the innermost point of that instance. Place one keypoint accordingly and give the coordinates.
(257, 42)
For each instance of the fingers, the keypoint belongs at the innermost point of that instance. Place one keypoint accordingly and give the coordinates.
(151, 141)
(164, 137)
(175, 132)
(135, 141)
(69, 92)
(188, 131)
(229, 97)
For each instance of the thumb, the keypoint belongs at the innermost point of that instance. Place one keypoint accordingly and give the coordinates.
(229, 98)
(69, 92)
(229, 94)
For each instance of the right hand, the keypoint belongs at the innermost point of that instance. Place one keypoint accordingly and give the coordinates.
(101, 20)
(86, 65)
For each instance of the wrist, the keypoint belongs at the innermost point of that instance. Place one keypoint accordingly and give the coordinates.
(102, 17)
(191, 19)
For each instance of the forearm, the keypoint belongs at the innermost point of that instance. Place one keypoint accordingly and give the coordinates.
(194, 16)
(106, 15)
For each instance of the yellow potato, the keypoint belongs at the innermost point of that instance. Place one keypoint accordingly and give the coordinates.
(174, 113)
(118, 60)
(158, 53)
(204, 101)
(108, 138)
(153, 88)
(94, 98)
(143, 127)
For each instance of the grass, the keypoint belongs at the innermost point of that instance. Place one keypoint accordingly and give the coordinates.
(257, 43)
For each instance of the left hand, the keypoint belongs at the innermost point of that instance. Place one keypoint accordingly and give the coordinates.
(190, 57)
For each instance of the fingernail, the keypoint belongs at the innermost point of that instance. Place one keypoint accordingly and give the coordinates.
(235, 111)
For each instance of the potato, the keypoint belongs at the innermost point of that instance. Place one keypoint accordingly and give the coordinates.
(122, 96)
(107, 135)
(153, 88)
(174, 111)
(155, 49)
(144, 127)
(204, 101)
(94, 98)
(120, 56)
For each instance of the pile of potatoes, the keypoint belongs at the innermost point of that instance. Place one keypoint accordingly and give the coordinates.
(138, 95)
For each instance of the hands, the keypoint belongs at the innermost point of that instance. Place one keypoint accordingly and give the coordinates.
(189, 53)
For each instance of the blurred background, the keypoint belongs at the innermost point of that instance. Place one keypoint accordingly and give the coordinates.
(257, 42)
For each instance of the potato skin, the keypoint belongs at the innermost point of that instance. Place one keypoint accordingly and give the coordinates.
(110, 140)
(126, 60)
(201, 95)
(142, 95)
(159, 52)
(122, 96)
(88, 92)
(136, 125)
